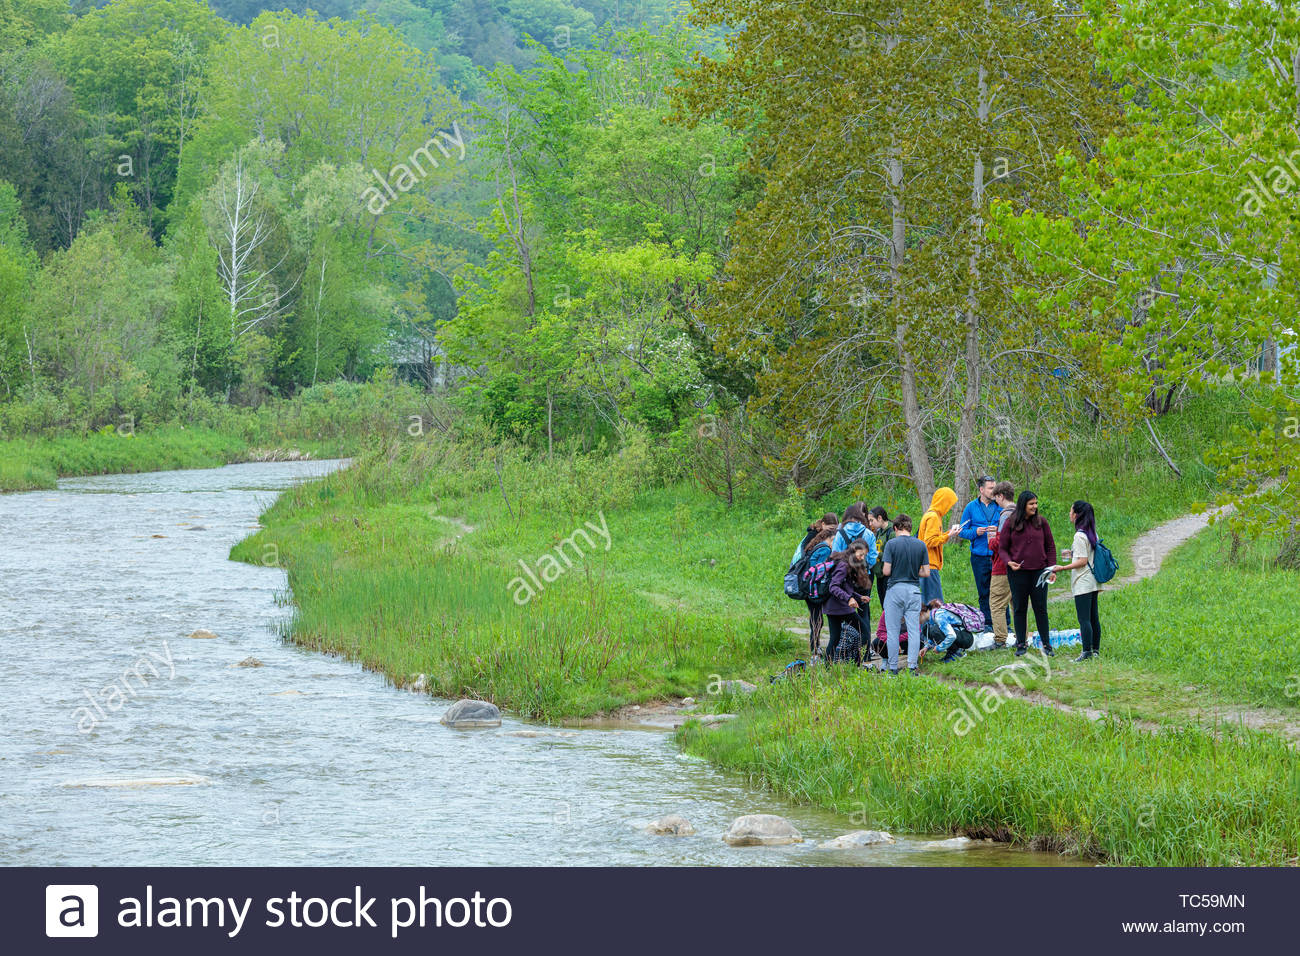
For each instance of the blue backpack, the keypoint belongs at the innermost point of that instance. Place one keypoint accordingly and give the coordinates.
(1104, 565)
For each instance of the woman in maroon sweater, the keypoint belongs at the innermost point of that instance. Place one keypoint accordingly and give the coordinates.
(850, 587)
(1029, 549)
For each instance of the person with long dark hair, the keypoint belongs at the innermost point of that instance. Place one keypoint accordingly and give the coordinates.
(850, 585)
(817, 545)
(1083, 584)
(1030, 550)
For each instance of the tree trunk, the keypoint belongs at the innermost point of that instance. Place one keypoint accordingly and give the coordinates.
(917, 455)
(965, 464)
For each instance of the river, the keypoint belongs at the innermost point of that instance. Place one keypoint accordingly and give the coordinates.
(127, 742)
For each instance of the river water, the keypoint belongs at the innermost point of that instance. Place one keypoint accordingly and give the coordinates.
(127, 742)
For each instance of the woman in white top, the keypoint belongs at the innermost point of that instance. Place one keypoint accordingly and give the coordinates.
(1083, 585)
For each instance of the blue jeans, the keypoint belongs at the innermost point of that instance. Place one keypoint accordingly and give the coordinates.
(903, 609)
(931, 589)
(981, 566)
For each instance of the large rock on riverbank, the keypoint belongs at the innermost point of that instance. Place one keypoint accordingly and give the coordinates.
(467, 714)
(761, 829)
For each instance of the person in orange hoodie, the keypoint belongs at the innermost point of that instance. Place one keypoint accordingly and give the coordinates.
(932, 533)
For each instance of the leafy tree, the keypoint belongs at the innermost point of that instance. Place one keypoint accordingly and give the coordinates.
(96, 320)
(1180, 237)
(18, 266)
(863, 284)
(136, 67)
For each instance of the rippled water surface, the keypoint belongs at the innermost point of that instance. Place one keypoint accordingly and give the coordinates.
(189, 759)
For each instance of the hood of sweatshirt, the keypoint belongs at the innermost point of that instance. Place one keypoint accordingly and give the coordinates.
(943, 499)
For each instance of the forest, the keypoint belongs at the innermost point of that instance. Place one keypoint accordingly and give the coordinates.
(805, 248)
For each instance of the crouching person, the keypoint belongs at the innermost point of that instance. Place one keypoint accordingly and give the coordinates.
(906, 563)
(946, 632)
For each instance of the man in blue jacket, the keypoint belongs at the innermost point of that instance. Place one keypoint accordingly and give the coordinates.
(978, 521)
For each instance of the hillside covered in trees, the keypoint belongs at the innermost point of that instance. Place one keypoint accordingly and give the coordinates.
(743, 229)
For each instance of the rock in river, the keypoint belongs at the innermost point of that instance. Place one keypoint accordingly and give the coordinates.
(857, 838)
(202, 635)
(472, 713)
(956, 843)
(249, 662)
(672, 825)
(761, 829)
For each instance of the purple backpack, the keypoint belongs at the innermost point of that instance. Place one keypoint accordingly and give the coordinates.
(816, 581)
(972, 618)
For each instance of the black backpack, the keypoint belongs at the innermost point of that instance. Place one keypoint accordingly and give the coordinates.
(797, 579)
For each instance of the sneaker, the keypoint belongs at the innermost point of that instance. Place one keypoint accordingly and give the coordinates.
(1020, 651)
(1047, 649)
(914, 671)
(949, 657)
(1083, 657)
(889, 671)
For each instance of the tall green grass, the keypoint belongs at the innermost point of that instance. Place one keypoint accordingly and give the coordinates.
(331, 420)
(884, 752)
(422, 583)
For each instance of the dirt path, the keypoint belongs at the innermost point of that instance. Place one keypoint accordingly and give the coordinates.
(1151, 548)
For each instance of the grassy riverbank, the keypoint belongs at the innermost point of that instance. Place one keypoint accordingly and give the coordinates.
(327, 421)
(412, 562)
(884, 753)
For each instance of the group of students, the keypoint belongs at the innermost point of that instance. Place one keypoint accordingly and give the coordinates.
(1013, 559)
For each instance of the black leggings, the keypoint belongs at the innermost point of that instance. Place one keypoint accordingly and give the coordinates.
(814, 628)
(1023, 593)
(864, 619)
(837, 625)
(882, 582)
(1085, 605)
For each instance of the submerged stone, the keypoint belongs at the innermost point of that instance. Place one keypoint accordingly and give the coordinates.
(761, 829)
(202, 635)
(671, 825)
(472, 713)
(857, 838)
(956, 843)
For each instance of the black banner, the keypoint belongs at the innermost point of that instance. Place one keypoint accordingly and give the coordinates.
(659, 911)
